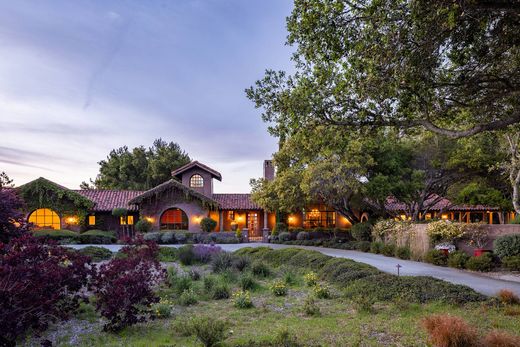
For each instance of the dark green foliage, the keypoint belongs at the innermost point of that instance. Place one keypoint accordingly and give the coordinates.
(119, 212)
(186, 255)
(303, 235)
(388, 250)
(376, 247)
(194, 274)
(512, 263)
(310, 308)
(208, 330)
(222, 261)
(246, 282)
(241, 262)
(181, 283)
(403, 252)
(167, 254)
(96, 253)
(209, 283)
(361, 231)
(436, 257)
(482, 263)
(153, 236)
(221, 291)
(208, 224)
(507, 246)
(63, 236)
(279, 227)
(188, 297)
(98, 237)
(143, 226)
(363, 246)
(260, 269)
(284, 236)
(457, 259)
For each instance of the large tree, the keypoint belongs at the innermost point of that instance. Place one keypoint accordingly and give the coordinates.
(140, 168)
(452, 67)
(12, 220)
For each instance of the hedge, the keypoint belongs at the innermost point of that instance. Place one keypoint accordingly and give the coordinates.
(98, 237)
(96, 253)
(63, 235)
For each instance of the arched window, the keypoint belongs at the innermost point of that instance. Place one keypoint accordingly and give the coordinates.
(196, 181)
(174, 219)
(45, 218)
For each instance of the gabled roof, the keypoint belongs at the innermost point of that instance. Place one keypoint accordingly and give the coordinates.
(195, 163)
(174, 184)
(107, 200)
(235, 202)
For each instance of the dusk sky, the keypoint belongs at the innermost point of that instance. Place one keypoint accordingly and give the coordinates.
(79, 78)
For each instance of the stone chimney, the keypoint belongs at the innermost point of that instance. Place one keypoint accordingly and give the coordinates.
(268, 170)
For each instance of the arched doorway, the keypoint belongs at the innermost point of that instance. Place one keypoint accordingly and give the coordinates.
(45, 218)
(174, 219)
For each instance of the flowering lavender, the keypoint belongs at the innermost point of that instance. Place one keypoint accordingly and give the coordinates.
(204, 253)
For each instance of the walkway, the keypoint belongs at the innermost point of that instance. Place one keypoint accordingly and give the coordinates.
(480, 283)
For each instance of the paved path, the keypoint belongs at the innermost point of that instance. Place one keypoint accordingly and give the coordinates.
(480, 283)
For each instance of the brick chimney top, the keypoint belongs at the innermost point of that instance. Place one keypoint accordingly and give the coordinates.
(268, 170)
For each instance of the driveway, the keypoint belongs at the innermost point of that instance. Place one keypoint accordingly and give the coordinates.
(480, 283)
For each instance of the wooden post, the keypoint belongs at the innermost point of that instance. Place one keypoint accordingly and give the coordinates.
(221, 220)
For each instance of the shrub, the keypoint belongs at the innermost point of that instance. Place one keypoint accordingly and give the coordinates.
(361, 231)
(39, 283)
(143, 226)
(220, 291)
(209, 282)
(483, 263)
(310, 308)
(278, 288)
(63, 236)
(403, 252)
(444, 231)
(180, 283)
(260, 269)
(449, 331)
(98, 237)
(363, 303)
(208, 224)
(163, 309)
(289, 277)
(311, 279)
(457, 259)
(241, 262)
(497, 338)
(436, 257)
(303, 235)
(168, 237)
(321, 291)
(284, 236)
(208, 330)
(508, 297)
(186, 255)
(507, 246)
(363, 246)
(153, 236)
(204, 253)
(388, 250)
(167, 254)
(246, 282)
(279, 228)
(222, 261)
(194, 274)
(242, 299)
(180, 237)
(188, 298)
(138, 271)
(512, 263)
(376, 247)
(96, 253)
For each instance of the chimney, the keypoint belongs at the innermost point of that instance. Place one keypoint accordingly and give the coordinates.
(268, 170)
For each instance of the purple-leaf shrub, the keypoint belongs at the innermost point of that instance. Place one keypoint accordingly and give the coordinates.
(40, 282)
(12, 221)
(124, 285)
(204, 253)
(140, 248)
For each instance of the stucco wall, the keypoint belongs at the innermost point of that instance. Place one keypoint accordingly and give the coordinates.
(207, 189)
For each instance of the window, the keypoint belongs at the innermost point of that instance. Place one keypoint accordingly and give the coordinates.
(91, 220)
(174, 219)
(196, 181)
(126, 220)
(316, 218)
(45, 218)
(232, 215)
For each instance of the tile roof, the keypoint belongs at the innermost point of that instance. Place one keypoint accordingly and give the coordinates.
(235, 202)
(188, 166)
(107, 200)
(444, 204)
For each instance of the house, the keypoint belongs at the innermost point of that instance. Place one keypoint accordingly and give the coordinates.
(181, 202)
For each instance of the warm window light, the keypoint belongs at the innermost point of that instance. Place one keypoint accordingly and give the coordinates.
(149, 219)
(428, 216)
(240, 218)
(315, 213)
(403, 217)
(444, 216)
(91, 220)
(291, 219)
(232, 215)
(71, 220)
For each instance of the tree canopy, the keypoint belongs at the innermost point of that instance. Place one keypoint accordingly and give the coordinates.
(139, 168)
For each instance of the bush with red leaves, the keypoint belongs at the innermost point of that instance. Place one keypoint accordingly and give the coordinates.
(123, 286)
(39, 283)
(12, 221)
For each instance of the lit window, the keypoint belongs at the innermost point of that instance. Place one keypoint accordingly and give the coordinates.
(45, 218)
(174, 219)
(130, 220)
(196, 181)
(232, 215)
(122, 220)
(91, 220)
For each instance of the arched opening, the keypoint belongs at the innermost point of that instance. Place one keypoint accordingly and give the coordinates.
(196, 181)
(45, 218)
(174, 219)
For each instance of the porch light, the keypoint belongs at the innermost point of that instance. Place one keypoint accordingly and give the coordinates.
(71, 220)
(315, 213)
(149, 219)
(290, 219)
(444, 216)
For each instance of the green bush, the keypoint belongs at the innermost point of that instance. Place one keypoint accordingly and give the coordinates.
(153, 236)
(483, 263)
(167, 254)
(403, 253)
(436, 257)
(242, 299)
(279, 228)
(162, 310)
(512, 263)
(361, 231)
(98, 237)
(96, 253)
(284, 236)
(260, 269)
(188, 297)
(507, 246)
(278, 288)
(376, 247)
(209, 282)
(388, 250)
(310, 308)
(246, 282)
(363, 246)
(181, 283)
(143, 226)
(321, 291)
(457, 259)
(241, 262)
(208, 330)
(220, 291)
(168, 237)
(66, 236)
(186, 255)
(222, 261)
(208, 224)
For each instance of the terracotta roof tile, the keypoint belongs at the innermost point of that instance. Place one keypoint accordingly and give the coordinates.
(107, 200)
(444, 204)
(188, 166)
(235, 202)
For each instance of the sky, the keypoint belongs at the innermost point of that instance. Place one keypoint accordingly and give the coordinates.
(79, 78)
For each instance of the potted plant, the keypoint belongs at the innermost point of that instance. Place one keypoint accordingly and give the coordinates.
(234, 226)
(477, 237)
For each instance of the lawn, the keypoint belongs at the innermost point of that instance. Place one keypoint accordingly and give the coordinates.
(344, 319)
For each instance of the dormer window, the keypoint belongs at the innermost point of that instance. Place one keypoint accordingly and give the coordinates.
(196, 181)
